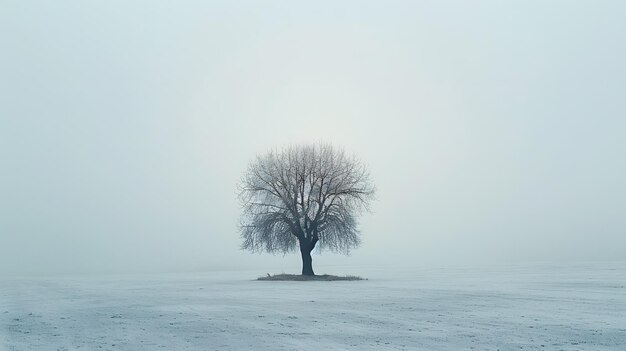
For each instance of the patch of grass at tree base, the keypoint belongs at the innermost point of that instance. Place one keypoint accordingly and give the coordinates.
(298, 277)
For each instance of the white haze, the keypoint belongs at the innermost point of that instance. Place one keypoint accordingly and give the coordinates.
(494, 130)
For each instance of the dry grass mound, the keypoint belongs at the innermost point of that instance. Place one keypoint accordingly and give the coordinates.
(297, 277)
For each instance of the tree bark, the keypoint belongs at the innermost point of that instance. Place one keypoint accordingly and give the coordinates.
(307, 261)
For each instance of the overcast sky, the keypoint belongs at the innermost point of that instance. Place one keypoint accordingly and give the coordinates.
(495, 131)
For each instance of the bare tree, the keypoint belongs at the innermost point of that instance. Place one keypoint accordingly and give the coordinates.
(304, 196)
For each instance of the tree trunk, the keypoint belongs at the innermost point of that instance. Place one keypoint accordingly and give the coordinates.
(307, 261)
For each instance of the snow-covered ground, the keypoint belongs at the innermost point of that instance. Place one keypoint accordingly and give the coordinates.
(540, 307)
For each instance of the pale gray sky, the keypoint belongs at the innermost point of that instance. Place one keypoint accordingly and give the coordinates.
(494, 130)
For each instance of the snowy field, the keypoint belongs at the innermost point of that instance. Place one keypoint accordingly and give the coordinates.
(541, 307)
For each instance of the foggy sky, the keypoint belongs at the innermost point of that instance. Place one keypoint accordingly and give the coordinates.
(494, 130)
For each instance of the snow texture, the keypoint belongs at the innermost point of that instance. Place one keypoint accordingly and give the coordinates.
(574, 307)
